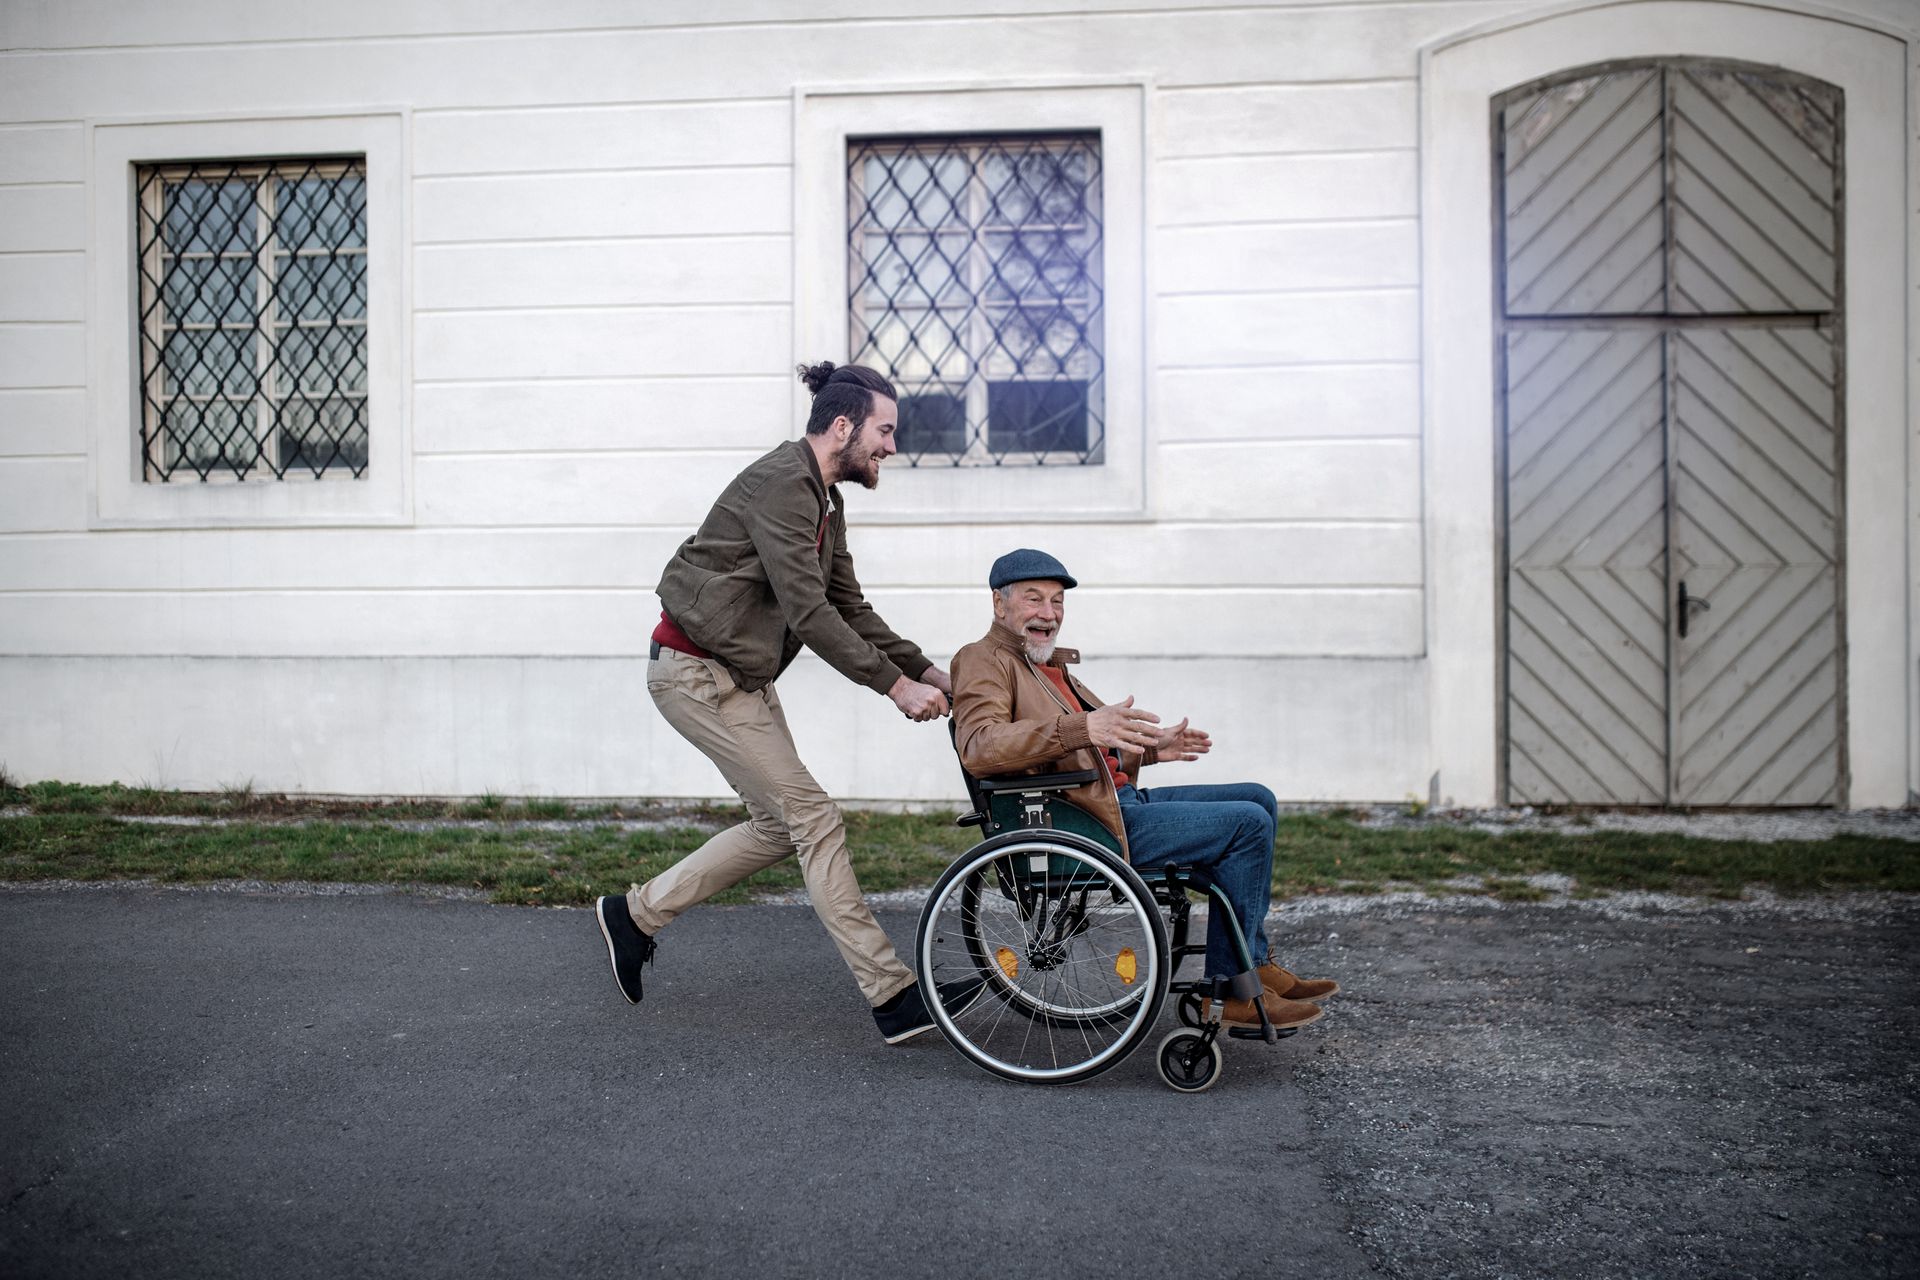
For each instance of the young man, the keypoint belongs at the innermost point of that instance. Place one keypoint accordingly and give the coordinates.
(767, 573)
(1016, 710)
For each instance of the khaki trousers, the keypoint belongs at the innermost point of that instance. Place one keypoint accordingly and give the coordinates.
(746, 735)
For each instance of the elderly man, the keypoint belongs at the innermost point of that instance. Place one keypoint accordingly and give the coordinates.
(1017, 710)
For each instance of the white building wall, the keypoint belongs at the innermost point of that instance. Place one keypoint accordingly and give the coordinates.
(601, 217)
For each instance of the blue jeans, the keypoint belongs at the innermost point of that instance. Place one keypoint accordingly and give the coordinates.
(1224, 833)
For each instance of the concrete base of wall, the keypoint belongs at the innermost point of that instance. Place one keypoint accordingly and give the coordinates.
(1310, 728)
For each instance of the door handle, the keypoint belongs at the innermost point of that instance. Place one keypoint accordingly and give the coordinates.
(1687, 605)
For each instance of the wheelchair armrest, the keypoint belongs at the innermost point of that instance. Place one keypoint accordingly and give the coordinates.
(1039, 782)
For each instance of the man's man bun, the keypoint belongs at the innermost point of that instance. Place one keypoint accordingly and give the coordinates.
(815, 376)
(842, 391)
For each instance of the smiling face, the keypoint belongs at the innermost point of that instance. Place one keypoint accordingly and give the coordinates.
(869, 444)
(1032, 610)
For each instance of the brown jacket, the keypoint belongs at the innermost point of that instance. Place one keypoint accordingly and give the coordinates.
(1009, 719)
(768, 571)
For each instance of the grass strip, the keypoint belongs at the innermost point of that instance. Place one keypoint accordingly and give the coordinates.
(60, 838)
(512, 864)
(1316, 852)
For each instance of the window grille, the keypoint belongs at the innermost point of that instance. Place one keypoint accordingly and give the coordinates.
(253, 319)
(975, 284)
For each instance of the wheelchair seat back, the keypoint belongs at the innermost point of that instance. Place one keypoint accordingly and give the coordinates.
(1035, 805)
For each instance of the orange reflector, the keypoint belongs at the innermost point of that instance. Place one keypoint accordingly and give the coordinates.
(1123, 964)
(1008, 962)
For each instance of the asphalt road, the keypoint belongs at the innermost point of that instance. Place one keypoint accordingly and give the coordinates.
(210, 1083)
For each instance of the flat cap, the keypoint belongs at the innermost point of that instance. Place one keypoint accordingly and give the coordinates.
(1025, 565)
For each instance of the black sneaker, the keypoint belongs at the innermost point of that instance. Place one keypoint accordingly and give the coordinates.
(627, 947)
(906, 1016)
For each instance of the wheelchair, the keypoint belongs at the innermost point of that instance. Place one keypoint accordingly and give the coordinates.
(1046, 958)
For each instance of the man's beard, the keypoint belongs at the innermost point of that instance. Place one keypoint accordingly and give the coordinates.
(851, 462)
(1040, 652)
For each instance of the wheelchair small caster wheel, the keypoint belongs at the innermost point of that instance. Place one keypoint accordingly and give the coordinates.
(1189, 1010)
(1189, 1062)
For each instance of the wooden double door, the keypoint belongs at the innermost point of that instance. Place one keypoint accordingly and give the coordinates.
(1672, 452)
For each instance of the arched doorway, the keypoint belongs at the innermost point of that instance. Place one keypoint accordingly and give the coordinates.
(1669, 334)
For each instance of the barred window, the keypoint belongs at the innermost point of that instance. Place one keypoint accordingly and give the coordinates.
(253, 319)
(975, 284)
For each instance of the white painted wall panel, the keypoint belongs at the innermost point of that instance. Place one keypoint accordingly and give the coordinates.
(1174, 556)
(339, 559)
(1150, 622)
(647, 136)
(656, 202)
(42, 153)
(616, 413)
(80, 23)
(706, 270)
(1306, 255)
(1290, 328)
(1253, 622)
(363, 727)
(43, 286)
(1265, 119)
(670, 489)
(1225, 46)
(1319, 729)
(42, 494)
(43, 219)
(43, 355)
(327, 623)
(1362, 184)
(1291, 480)
(37, 422)
(1382, 554)
(602, 343)
(1299, 401)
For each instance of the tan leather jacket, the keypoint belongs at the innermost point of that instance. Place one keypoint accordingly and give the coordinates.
(1009, 719)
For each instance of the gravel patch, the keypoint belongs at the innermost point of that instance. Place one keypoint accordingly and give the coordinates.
(1634, 1090)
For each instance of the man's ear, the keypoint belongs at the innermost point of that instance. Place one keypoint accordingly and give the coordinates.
(842, 429)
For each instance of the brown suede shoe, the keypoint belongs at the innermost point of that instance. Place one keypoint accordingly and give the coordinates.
(1287, 987)
(1282, 1013)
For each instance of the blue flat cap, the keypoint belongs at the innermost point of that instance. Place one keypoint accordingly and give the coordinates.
(1025, 565)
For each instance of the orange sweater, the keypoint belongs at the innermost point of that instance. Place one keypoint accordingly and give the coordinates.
(1058, 679)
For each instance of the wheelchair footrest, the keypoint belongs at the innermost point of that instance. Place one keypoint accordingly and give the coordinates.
(1258, 1033)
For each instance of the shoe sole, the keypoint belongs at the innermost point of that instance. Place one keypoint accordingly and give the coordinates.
(600, 915)
(905, 1036)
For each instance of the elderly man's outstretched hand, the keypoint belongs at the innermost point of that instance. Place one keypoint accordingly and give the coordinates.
(1121, 726)
(1179, 742)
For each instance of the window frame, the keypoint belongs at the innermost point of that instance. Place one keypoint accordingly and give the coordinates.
(977, 387)
(121, 496)
(825, 119)
(266, 319)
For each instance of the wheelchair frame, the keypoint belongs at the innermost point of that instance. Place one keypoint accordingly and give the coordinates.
(1046, 867)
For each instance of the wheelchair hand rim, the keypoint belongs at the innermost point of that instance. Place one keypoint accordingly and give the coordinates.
(1141, 910)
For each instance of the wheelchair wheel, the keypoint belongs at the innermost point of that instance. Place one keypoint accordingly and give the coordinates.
(1189, 1010)
(1190, 1062)
(1064, 946)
